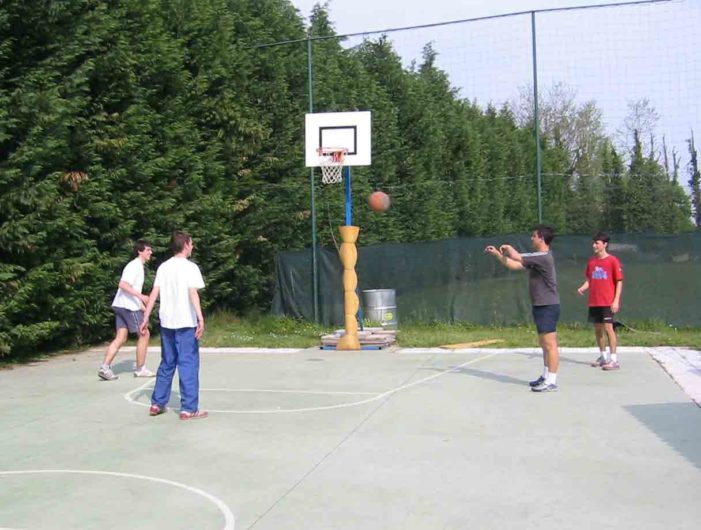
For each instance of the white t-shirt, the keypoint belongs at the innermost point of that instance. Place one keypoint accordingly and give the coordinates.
(174, 278)
(133, 274)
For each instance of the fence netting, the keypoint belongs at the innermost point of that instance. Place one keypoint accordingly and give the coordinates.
(454, 281)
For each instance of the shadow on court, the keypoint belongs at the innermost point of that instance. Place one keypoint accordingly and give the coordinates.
(676, 424)
(372, 440)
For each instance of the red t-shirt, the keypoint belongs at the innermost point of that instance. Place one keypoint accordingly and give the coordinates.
(603, 274)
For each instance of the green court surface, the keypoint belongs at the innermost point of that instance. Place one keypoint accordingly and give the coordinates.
(392, 439)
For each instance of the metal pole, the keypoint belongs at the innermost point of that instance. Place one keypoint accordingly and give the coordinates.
(536, 119)
(315, 261)
(349, 206)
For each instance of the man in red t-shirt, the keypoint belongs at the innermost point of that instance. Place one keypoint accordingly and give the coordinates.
(605, 283)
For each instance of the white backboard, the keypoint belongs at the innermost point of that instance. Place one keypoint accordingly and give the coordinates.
(351, 130)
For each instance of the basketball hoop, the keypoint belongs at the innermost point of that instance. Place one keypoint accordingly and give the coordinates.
(331, 163)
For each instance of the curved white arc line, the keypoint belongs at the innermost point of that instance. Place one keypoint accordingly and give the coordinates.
(127, 396)
(337, 406)
(223, 508)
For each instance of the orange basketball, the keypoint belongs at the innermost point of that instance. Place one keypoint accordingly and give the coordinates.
(379, 202)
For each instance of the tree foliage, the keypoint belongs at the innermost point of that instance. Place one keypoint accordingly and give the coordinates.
(130, 119)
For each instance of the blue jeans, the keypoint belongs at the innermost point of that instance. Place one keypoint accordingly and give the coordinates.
(179, 348)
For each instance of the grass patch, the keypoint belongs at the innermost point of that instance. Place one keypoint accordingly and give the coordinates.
(266, 331)
(225, 329)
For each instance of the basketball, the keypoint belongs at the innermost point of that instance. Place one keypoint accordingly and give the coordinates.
(379, 202)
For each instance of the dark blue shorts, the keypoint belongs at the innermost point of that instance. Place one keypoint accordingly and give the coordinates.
(124, 318)
(546, 317)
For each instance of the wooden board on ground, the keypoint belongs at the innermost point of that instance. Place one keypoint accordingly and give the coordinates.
(378, 337)
(473, 344)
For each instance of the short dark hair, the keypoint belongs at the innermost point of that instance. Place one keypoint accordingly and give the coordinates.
(178, 241)
(601, 236)
(546, 232)
(140, 246)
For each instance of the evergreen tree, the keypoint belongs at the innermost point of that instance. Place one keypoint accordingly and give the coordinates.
(614, 191)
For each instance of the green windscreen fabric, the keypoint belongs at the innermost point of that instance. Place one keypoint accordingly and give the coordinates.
(453, 280)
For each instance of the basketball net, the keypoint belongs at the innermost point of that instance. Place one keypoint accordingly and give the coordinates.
(331, 163)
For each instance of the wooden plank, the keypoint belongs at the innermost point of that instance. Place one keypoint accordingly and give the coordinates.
(473, 344)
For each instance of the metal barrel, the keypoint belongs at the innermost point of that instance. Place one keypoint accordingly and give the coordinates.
(380, 305)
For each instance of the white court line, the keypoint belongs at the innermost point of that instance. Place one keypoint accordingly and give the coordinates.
(411, 351)
(250, 349)
(267, 390)
(223, 508)
(375, 397)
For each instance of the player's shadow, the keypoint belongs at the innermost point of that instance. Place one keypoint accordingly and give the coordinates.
(123, 367)
(499, 378)
(563, 359)
(143, 395)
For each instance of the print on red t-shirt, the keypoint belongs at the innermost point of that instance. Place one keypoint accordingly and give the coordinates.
(603, 274)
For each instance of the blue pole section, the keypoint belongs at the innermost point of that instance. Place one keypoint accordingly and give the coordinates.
(349, 222)
(349, 207)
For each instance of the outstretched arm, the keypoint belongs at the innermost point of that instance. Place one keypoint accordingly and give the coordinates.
(506, 260)
(511, 253)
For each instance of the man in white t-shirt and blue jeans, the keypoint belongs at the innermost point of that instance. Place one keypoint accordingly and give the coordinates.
(178, 281)
(128, 305)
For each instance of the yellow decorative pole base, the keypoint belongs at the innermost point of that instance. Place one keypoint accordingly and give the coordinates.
(349, 257)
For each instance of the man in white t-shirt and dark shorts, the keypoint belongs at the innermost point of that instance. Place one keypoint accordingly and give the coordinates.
(128, 305)
(178, 281)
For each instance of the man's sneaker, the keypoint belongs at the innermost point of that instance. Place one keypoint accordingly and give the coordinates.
(545, 387)
(599, 362)
(611, 365)
(144, 372)
(155, 410)
(197, 415)
(537, 382)
(107, 374)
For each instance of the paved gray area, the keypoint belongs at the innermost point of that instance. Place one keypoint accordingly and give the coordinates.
(400, 439)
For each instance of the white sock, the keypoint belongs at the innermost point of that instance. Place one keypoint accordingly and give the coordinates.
(552, 379)
(545, 372)
(105, 366)
(605, 355)
(614, 357)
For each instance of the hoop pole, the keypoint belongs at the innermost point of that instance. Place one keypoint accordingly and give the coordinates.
(315, 259)
(349, 207)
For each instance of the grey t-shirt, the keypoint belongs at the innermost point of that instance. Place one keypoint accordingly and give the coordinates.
(542, 279)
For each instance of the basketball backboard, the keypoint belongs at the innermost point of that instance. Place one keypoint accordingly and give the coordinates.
(351, 130)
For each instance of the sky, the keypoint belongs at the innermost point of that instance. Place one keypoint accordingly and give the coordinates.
(613, 56)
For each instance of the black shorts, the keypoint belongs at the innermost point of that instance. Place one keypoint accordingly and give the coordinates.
(601, 315)
(546, 317)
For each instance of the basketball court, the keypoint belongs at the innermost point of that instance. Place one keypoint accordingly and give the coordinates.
(400, 438)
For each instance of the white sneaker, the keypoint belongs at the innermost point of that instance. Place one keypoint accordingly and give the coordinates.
(144, 372)
(107, 374)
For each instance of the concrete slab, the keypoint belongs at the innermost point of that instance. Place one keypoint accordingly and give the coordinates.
(302, 439)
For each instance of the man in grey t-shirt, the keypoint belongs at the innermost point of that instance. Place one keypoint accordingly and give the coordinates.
(542, 284)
